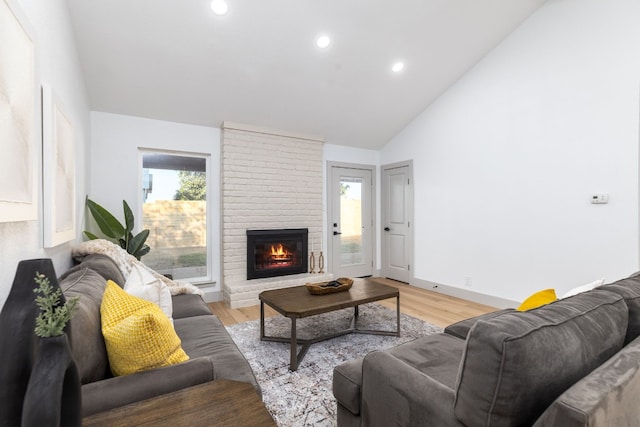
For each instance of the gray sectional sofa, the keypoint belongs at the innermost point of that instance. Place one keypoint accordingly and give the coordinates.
(574, 362)
(213, 354)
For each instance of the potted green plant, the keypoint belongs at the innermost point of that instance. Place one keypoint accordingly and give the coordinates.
(53, 316)
(115, 231)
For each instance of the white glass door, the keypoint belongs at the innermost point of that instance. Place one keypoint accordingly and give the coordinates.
(350, 222)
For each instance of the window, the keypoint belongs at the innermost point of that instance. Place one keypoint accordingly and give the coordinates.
(175, 211)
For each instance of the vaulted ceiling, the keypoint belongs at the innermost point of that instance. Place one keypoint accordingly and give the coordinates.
(176, 60)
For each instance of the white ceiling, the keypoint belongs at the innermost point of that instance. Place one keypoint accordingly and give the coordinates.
(175, 60)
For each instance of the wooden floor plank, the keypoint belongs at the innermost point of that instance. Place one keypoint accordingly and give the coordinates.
(432, 307)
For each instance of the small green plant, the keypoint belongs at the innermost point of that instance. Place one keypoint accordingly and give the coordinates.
(53, 317)
(116, 232)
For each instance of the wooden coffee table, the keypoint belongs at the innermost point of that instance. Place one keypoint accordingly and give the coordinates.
(297, 302)
(220, 403)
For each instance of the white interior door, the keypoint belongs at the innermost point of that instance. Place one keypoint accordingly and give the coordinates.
(397, 215)
(351, 221)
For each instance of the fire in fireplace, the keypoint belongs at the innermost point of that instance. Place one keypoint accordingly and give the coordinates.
(272, 253)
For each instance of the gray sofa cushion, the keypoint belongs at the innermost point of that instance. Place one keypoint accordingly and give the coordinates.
(86, 339)
(516, 364)
(461, 329)
(607, 396)
(433, 359)
(205, 336)
(412, 384)
(629, 289)
(437, 356)
(187, 305)
(101, 264)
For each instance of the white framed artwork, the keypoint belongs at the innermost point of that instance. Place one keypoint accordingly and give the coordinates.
(58, 171)
(19, 117)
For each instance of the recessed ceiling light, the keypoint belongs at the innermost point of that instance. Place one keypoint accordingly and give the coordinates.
(219, 7)
(323, 41)
(397, 67)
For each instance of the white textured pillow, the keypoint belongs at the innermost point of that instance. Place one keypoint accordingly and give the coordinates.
(584, 288)
(142, 284)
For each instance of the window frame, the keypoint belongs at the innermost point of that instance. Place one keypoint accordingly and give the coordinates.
(199, 280)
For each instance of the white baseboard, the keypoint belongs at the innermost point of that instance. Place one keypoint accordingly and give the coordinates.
(478, 297)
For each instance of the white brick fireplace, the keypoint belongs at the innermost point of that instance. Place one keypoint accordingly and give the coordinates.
(270, 180)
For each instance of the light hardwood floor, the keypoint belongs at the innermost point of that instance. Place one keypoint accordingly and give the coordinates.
(432, 307)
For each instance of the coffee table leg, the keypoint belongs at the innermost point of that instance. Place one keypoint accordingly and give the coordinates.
(261, 320)
(356, 311)
(398, 312)
(293, 364)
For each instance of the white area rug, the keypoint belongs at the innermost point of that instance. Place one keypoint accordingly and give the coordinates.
(305, 397)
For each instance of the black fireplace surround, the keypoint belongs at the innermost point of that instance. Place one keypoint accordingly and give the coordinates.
(272, 253)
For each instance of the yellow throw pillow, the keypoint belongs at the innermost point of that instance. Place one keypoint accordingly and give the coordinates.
(137, 334)
(538, 299)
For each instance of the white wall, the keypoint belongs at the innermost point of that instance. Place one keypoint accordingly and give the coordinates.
(341, 153)
(58, 66)
(115, 165)
(505, 162)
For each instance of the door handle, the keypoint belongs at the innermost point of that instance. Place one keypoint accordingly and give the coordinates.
(335, 233)
(387, 229)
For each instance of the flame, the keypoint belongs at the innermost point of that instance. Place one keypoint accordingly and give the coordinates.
(278, 250)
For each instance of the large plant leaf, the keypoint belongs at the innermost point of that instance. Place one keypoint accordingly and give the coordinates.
(137, 242)
(128, 217)
(143, 251)
(107, 223)
(90, 235)
(128, 220)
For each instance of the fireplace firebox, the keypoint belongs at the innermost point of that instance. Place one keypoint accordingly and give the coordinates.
(272, 253)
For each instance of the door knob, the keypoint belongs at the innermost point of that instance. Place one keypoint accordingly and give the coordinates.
(387, 229)
(335, 233)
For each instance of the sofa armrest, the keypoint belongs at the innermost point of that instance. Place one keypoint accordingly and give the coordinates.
(608, 396)
(395, 393)
(114, 392)
(347, 382)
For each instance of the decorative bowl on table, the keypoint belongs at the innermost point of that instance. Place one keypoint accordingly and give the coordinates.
(338, 285)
